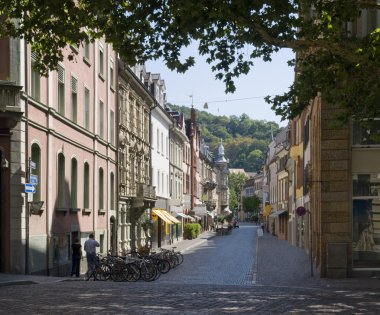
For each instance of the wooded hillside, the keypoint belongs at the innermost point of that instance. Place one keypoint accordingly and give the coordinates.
(245, 140)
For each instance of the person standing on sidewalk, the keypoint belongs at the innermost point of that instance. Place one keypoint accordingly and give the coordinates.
(90, 249)
(76, 256)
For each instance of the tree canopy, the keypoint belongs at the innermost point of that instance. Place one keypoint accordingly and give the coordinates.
(335, 57)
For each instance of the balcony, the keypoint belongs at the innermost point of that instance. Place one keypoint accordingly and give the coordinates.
(10, 110)
(208, 184)
(210, 205)
(145, 191)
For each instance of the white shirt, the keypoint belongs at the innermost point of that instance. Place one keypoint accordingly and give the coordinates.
(90, 246)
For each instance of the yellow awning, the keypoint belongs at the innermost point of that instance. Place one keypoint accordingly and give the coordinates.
(267, 210)
(166, 216)
(172, 218)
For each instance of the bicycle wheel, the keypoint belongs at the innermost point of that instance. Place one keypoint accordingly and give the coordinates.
(173, 261)
(163, 265)
(148, 271)
(180, 257)
(102, 273)
(118, 272)
(133, 272)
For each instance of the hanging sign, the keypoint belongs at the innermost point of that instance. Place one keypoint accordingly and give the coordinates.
(301, 211)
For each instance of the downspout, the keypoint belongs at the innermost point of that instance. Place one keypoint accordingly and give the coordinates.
(47, 187)
(117, 143)
(27, 166)
(155, 104)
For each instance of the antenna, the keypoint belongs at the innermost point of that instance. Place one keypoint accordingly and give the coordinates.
(192, 100)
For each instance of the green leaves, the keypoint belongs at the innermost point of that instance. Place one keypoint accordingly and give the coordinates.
(231, 34)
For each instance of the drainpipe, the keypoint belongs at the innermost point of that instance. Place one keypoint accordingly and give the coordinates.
(26, 159)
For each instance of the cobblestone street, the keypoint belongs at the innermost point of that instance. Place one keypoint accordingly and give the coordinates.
(232, 274)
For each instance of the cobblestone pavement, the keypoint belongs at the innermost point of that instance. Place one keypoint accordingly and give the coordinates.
(232, 274)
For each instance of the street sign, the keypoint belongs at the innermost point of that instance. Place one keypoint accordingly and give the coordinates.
(30, 188)
(32, 164)
(33, 179)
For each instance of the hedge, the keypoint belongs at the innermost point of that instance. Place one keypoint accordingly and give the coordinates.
(192, 230)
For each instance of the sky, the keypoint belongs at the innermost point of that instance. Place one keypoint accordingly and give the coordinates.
(198, 86)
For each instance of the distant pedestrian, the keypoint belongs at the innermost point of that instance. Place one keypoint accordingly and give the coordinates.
(90, 249)
(76, 256)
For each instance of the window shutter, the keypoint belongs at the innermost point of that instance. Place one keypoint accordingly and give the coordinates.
(61, 74)
(34, 56)
(74, 85)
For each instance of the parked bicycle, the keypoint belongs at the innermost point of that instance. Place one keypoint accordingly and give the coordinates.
(98, 271)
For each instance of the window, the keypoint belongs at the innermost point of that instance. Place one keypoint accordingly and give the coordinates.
(101, 119)
(86, 186)
(162, 143)
(158, 182)
(74, 183)
(86, 46)
(86, 108)
(61, 90)
(101, 189)
(74, 99)
(36, 158)
(162, 183)
(35, 78)
(61, 181)
(101, 61)
(167, 147)
(112, 127)
(158, 141)
(112, 191)
(366, 133)
(112, 74)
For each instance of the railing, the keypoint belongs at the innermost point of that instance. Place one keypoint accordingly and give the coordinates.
(145, 191)
(9, 96)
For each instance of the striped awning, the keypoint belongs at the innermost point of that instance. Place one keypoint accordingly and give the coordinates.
(166, 216)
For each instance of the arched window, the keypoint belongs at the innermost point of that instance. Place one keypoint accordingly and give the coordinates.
(74, 183)
(61, 181)
(86, 186)
(36, 158)
(101, 189)
(112, 191)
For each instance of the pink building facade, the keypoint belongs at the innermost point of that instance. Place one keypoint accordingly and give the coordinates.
(67, 149)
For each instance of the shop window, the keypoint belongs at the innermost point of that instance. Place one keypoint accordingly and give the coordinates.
(366, 133)
(36, 158)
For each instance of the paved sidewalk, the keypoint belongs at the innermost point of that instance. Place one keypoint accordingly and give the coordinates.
(20, 279)
(282, 264)
(184, 245)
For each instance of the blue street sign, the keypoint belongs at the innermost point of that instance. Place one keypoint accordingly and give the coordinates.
(33, 179)
(32, 165)
(30, 188)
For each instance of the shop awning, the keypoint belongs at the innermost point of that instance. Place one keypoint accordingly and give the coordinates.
(185, 216)
(212, 214)
(171, 217)
(166, 216)
(277, 213)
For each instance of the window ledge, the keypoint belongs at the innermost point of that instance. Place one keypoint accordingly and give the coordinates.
(86, 211)
(101, 76)
(87, 61)
(74, 209)
(74, 49)
(102, 211)
(63, 210)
